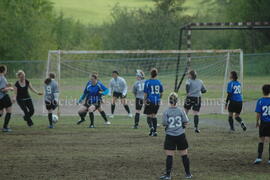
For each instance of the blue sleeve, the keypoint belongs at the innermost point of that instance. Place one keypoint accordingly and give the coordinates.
(258, 107)
(145, 87)
(161, 87)
(229, 88)
(103, 88)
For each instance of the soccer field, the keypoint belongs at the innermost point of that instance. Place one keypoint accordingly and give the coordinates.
(119, 152)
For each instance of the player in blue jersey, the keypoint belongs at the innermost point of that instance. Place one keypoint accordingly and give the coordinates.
(153, 90)
(263, 121)
(92, 94)
(234, 101)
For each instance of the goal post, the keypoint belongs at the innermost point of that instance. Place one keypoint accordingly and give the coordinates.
(73, 68)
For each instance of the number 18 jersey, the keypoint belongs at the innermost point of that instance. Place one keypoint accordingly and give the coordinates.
(173, 119)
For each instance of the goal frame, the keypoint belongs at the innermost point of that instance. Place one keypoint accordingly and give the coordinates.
(228, 52)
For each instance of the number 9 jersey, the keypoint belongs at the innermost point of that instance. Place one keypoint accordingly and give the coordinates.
(174, 119)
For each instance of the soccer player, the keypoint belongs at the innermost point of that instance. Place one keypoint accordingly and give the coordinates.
(263, 121)
(194, 90)
(153, 90)
(5, 101)
(175, 120)
(93, 93)
(235, 101)
(51, 97)
(118, 89)
(138, 91)
(21, 95)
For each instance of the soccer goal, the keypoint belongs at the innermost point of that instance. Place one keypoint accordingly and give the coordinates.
(213, 66)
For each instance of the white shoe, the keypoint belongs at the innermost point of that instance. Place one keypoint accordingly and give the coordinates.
(130, 115)
(107, 123)
(257, 161)
(111, 116)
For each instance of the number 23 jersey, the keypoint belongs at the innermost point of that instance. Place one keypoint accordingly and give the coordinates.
(173, 119)
(153, 88)
(235, 89)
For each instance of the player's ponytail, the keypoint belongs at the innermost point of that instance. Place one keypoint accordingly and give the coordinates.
(234, 75)
(47, 81)
(193, 74)
(173, 98)
(154, 72)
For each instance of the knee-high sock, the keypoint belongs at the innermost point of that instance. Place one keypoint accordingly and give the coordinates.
(154, 120)
(7, 118)
(137, 119)
(91, 115)
(104, 116)
(149, 122)
(82, 115)
(260, 150)
(185, 161)
(112, 108)
(196, 121)
(231, 122)
(238, 119)
(169, 164)
(127, 108)
(50, 119)
(269, 151)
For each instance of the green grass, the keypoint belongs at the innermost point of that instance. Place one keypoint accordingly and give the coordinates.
(96, 11)
(119, 152)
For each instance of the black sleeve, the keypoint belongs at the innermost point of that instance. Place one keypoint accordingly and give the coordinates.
(27, 83)
(187, 88)
(17, 84)
(228, 98)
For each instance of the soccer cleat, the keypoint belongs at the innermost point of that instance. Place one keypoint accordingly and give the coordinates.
(197, 130)
(258, 161)
(165, 177)
(107, 122)
(130, 115)
(151, 132)
(154, 134)
(135, 127)
(30, 123)
(80, 121)
(232, 130)
(50, 126)
(91, 126)
(188, 176)
(6, 130)
(111, 116)
(243, 126)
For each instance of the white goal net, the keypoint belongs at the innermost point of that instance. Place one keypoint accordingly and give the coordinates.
(73, 68)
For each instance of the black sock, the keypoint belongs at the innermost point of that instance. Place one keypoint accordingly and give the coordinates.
(154, 120)
(50, 119)
(238, 119)
(104, 116)
(127, 108)
(82, 115)
(169, 164)
(260, 150)
(186, 164)
(91, 115)
(149, 122)
(269, 152)
(196, 121)
(7, 118)
(231, 122)
(137, 119)
(112, 108)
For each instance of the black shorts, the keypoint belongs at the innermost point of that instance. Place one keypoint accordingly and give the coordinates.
(97, 104)
(51, 105)
(235, 107)
(139, 104)
(5, 102)
(119, 95)
(151, 108)
(264, 130)
(175, 142)
(193, 102)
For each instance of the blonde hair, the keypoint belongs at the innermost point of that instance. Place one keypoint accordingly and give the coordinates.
(173, 98)
(20, 72)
